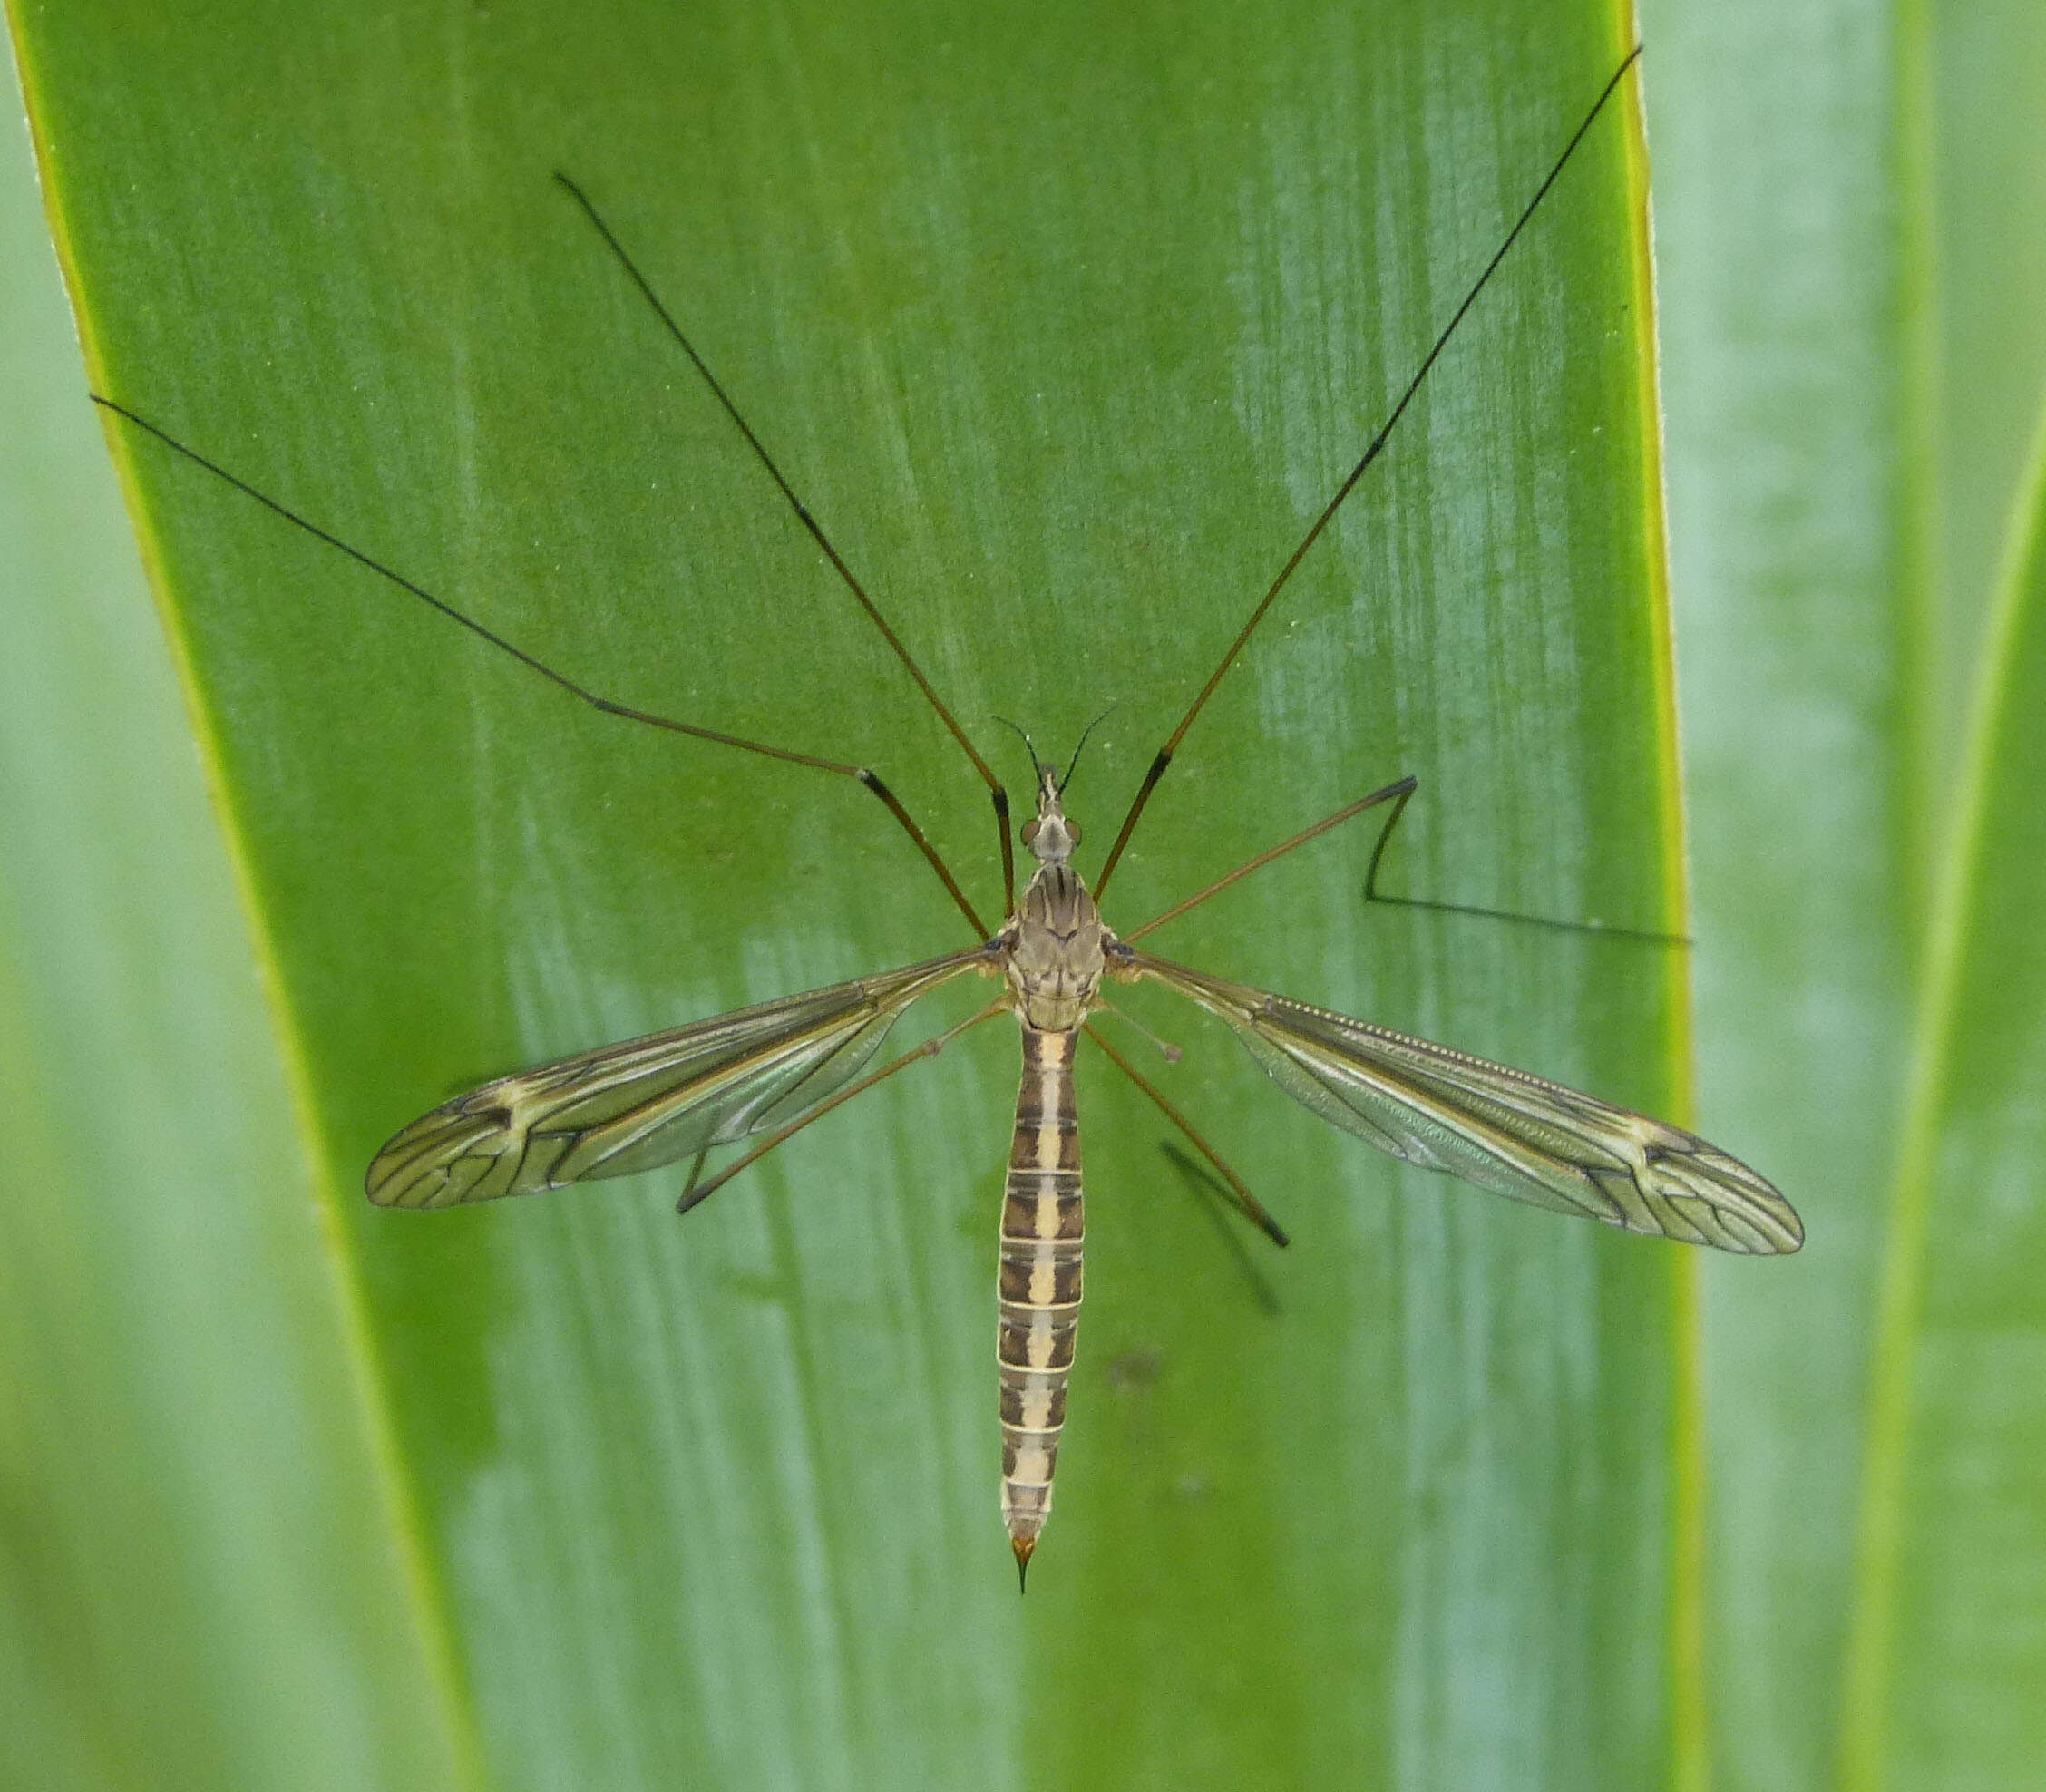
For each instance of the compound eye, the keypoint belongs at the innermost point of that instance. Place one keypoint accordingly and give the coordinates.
(1073, 833)
(1030, 829)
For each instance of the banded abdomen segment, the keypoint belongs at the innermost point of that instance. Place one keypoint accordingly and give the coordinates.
(1038, 1287)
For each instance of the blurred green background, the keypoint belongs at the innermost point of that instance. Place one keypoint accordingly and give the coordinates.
(1064, 326)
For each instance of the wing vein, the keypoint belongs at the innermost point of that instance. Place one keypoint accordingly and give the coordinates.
(1496, 1128)
(651, 1101)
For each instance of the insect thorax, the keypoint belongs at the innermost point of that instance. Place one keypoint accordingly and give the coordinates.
(1054, 950)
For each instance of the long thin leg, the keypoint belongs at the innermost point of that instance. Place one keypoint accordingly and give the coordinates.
(999, 796)
(1373, 894)
(1398, 794)
(857, 774)
(1392, 792)
(1343, 491)
(1247, 1203)
(696, 1191)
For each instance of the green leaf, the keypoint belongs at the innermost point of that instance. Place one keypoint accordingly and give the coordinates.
(1066, 326)
(197, 1581)
(1946, 1660)
(1849, 203)
(1779, 273)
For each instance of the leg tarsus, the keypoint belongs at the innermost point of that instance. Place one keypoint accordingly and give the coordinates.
(1357, 472)
(803, 515)
(1373, 894)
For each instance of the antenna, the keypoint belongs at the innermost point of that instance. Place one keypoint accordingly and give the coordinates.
(1074, 765)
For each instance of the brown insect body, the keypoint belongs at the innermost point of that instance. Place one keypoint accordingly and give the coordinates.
(1054, 953)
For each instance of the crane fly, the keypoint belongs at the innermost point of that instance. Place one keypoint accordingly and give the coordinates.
(761, 1073)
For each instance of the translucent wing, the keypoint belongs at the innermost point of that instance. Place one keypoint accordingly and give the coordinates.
(651, 1101)
(1496, 1128)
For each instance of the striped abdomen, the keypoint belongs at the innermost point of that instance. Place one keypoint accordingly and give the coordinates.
(1038, 1288)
